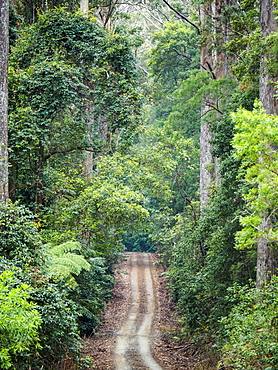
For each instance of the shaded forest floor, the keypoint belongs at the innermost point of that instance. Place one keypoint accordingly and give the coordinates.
(168, 350)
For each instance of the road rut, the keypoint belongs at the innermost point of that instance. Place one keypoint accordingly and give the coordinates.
(132, 349)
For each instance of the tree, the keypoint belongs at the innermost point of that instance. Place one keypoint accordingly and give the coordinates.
(267, 79)
(266, 257)
(214, 61)
(256, 134)
(84, 6)
(4, 50)
(57, 85)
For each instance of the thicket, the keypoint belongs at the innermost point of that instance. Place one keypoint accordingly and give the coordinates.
(73, 97)
(89, 177)
(211, 255)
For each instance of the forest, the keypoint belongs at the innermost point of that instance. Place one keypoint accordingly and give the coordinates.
(147, 125)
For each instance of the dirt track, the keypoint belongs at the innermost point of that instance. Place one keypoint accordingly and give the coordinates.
(140, 316)
(123, 340)
(132, 349)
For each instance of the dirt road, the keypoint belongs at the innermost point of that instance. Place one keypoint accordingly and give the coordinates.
(140, 324)
(132, 350)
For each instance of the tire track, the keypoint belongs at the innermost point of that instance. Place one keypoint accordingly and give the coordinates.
(132, 350)
(125, 333)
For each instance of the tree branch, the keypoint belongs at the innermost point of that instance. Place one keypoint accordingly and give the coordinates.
(35, 184)
(182, 55)
(213, 107)
(67, 151)
(210, 70)
(182, 16)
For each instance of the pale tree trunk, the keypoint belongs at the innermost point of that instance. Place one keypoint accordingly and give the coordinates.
(97, 127)
(206, 158)
(206, 162)
(267, 90)
(84, 6)
(4, 50)
(215, 63)
(88, 164)
(89, 155)
(104, 13)
(266, 255)
(102, 127)
(101, 131)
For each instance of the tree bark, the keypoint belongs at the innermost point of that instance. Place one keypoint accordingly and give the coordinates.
(4, 51)
(215, 62)
(266, 255)
(89, 155)
(206, 158)
(84, 6)
(267, 89)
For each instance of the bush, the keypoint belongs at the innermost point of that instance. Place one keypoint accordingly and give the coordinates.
(20, 241)
(22, 252)
(94, 289)
(19, 320)
(251, 328)
(58, 333)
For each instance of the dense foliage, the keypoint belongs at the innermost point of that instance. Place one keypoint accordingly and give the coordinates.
(212, 253)
(252, 328)
(73, 97)
(72, 90)
(19, 320)
(92, 173)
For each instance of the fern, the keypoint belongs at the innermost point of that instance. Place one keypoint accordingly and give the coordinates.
(66, 261)
(61, 249)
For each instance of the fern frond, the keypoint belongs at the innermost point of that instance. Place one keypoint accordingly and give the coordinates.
(66, 261)
(61, 249)
(71, 263)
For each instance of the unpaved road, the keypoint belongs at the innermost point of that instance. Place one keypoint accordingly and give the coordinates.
(132, 350)
(139, 324)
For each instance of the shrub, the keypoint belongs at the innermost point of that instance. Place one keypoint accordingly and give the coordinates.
(19, 320)
(23, 253)
(20, 241)
(251, 328)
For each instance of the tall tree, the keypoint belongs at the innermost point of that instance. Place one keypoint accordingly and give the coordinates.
(4, 50)
(68, 86)
(84, 6)
(266, 259)
(267, 89)
(213, 60)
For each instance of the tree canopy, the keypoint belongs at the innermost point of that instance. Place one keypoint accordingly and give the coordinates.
(138, 126)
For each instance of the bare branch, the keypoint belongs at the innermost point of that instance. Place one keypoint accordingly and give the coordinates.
(182, 55)
(67, 151)
(182, 16)
(214, 107)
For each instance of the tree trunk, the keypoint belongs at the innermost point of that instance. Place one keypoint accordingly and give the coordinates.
(215, 63)
(4, 51)
(206, 158)
(89, 155)
(104, 13)
(267, 90)
(84, 6)
(206, 161)
(266, 255)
